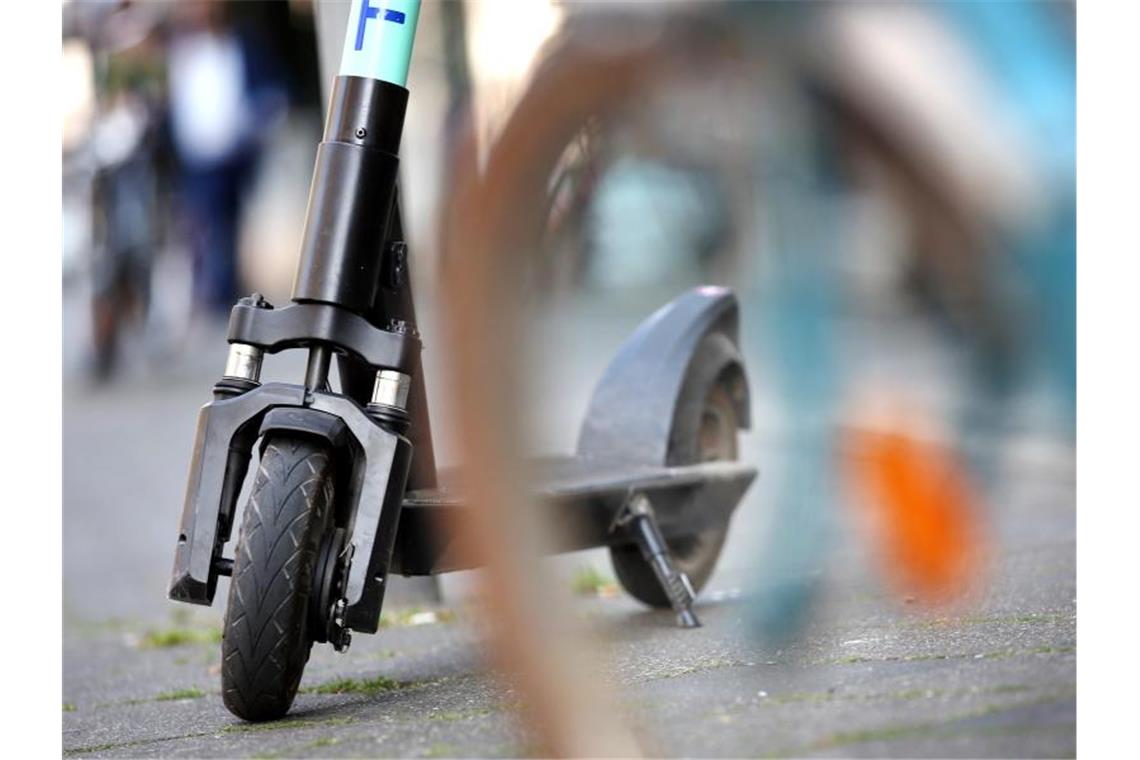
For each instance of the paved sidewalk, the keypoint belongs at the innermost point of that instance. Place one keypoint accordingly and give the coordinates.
(872, 676)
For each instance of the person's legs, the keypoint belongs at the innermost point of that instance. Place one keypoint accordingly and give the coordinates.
(223, 244)
(193, 201)
(211, 200)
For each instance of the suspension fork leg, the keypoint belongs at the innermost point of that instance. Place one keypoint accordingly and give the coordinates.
(317, 370)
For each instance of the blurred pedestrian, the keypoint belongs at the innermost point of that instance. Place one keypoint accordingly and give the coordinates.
(225, 96)
(124, 151)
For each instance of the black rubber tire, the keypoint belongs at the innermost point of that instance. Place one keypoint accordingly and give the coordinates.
(705, 425)
(265, 642)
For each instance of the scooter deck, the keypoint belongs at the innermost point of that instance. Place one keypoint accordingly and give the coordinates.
(583, 496)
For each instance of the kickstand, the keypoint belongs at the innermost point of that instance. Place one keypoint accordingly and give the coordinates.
(637, 520)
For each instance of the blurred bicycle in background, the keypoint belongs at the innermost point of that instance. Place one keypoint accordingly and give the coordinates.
(878, 173)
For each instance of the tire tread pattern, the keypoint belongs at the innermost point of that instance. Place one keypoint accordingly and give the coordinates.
(265, 643)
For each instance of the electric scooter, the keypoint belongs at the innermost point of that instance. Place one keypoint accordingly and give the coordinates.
(347, 491)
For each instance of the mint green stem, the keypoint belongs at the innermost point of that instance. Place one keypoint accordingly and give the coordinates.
(378, 41)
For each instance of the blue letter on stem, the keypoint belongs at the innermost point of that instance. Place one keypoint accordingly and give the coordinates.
(366, 12)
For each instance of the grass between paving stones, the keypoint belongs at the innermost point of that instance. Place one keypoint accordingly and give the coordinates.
(416, 616)
(282, 725)
(450, 716)
(183, 634)
(1028, 618)
(723, 715)
(178, 694)
(1000, 654)
(360, 686)
(324, 741)
(588, 581)
(68, 707)
(903, 695)
(930, 729)
(233, 728)
(92, 749)
(132, 743)
(179, 636)
(94, 628)
(711, 663)
(174, 695)
(439, 749)
(337, 686)
(891, 733)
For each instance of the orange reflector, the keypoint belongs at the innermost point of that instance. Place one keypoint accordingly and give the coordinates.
(924, 512)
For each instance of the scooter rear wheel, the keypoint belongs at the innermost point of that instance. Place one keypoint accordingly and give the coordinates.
(705, 425)
(266, 641)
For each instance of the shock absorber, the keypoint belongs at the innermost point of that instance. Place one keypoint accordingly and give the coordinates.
(243, 363)
(241, 374)
(390, 400)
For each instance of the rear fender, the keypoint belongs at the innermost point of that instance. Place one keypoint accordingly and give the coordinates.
(632, 409)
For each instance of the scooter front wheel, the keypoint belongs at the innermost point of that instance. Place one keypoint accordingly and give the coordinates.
(266, 641)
